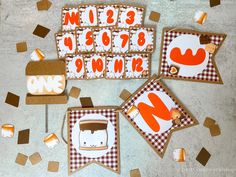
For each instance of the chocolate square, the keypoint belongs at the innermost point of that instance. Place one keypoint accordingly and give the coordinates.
(203, 156)
(41, 31)
(12, 99)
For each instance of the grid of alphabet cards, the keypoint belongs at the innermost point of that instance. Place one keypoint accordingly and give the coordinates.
(105, 41)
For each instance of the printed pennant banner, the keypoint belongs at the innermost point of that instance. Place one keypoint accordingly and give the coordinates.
(189, 55)
(93, 138)
(155, 113)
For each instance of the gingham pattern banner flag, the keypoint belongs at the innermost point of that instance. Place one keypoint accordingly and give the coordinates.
(209, 74)
(111, 159)
(158, 142)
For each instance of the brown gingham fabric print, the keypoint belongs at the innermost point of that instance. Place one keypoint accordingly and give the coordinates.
(209, 74)
(111, 158)
(158, 142)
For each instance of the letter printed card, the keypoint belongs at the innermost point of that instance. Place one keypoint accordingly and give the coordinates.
(189, 55)
(130, 16)
(107, 15)
(115, 66)
(66, 43)
(93, 138)
(156, 113)
(138, 66)
(95, 65)
(75, 67)
(70, 18)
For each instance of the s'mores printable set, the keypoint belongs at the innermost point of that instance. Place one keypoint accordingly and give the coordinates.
(105, 41)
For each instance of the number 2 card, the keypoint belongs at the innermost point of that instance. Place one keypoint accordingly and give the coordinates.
(107, 15)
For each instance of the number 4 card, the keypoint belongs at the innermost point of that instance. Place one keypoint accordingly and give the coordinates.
(88, 15)
(155, 113)
(66, 43)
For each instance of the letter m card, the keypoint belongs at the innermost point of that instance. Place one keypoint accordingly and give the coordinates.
(70, 18)
(156, 113)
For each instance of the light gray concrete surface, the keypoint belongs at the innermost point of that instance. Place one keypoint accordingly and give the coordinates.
(18, 19)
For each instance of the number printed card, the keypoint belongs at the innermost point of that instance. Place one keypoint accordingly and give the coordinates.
(130, 16)
(75, 66)
(88, 15)
(115, 66)
(95, 65)
(120, 40)
(142, 39)
(137, 66)
(84, 39)
(108, 15)
(102, 39)
(70, 18)
(105, 41)
(66, 43)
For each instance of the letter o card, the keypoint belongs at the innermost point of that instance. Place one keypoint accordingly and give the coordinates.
(102, 39)
(88, 15)
(155, 113)
(138, 66)
(70, 18)
(142, 39)
(75, 67)
(108, 15)
(189, 55)
(130, 16)
(93, 138)
(95, 65)
(120, 40)
(115, 65)
(66, 43)
(85, 42)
